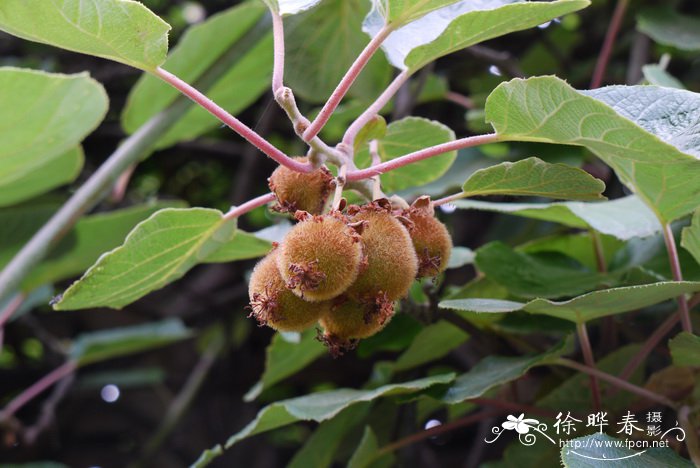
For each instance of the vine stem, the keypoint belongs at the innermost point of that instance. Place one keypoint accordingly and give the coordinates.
(610, 36)
(684, 312)
(10, 310)
(278, 53)
(339, 186)
(232, 122)
(345, 83)
(372, 110)
(422, 154)
(250, 205)
(39, 386)
(588, 358)
(616, 381)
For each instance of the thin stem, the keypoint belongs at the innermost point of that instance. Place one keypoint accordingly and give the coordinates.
(610, 36)
(345, 83)
(232, 122)
(119, 189)
(376, 160)
(339, 186)
(460, 99)
(599, 251)
(423, 154)
(42, 384)
(374, 109)
(448, 199)
(441, 429)
(10, 310)
(250, 205)
(590, 361)
(677, 276)
(278, 54)
(616, 381)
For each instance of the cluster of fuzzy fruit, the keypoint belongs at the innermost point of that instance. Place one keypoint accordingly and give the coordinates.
(346, 270)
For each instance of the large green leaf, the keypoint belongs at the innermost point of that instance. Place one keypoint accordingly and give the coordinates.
(643, 132)
(107, 344)
(525, 275)
(43, 118)
(243, 246)
(587, 307)
(406, 136)
(284, 358)
(200, 48)
(291, 7)
(321, 45)
(432, 343)
(121, 30)
(158, 251)
(624, 218)
(657, 75)
(669, 28)
(497, 370)
(690, 239)
(685, 349)
(601, 450)
(399, 12)
(326, 405)
(534, 177)
(81, 246)
(461, 25)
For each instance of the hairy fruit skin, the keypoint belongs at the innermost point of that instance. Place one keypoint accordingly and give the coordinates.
(350, 320)
(320, 257)
(298, 191)
(273, 304)
(431, 240)
(392, 263)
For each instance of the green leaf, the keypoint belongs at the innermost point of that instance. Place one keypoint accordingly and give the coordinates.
(461, 25)
(89, 238)
(43, 118)
(432, 343)
(158, 251)
(685, 349)
(690, 239)
(624, 218)
(497, 370)
(642, 132)
(658, 76)
(291, 7)
(587, 307)
(326, 405)
(669, 28)
(201, 47)
(366, 451)
(284, 358)
(578, 246)
(316, 62)
(534, 177)
(399, 12)
(120, 30)
(460, 256)
(597, 450)
(108, 344)
(406, 136)
(243, 246)
(319, 449)
(543, 275)
(375, 129)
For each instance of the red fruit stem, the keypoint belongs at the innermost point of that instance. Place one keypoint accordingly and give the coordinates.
(278, 53)
(610, 36)
(588, 358)
(232, 122)
(250, 205)
(683, 310)
(421, 155)
(372, 110)
(42, 384)
(345, 83)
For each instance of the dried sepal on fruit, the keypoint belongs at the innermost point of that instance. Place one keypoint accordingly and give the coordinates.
(299, 191)
(431, 240)
(320, 257)
(392, 264)
(274, 305)
(350, 320)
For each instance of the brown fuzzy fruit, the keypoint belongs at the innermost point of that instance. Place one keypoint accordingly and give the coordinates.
(349, 320)
(320, 257)
(273, 304)
(391, 260)
(298, 191)
(431, 240)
